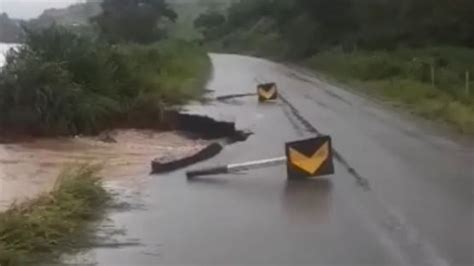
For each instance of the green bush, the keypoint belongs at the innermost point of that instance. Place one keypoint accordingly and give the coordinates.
(184, 72)
(404, 77)
(38, 96)
(362, 66)
(409, 91)
(62, 83)
(460, 115)
(377, 67)
(57, 83)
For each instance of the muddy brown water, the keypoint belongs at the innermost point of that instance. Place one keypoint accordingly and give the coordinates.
(29, 168)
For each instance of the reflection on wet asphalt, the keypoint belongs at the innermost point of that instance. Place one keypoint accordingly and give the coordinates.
(419, 211)
(308, 201)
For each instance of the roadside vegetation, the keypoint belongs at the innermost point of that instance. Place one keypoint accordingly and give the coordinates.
(40, 229)
(428, 82)
(64, 82)
(414, 53)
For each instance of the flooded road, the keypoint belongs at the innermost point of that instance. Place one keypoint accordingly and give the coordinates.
(419, 210)
(30, 167)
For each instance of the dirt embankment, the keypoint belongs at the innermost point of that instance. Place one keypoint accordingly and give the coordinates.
(29, 167)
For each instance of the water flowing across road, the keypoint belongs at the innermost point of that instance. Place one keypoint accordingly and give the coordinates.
(30, 167)
(418, 210)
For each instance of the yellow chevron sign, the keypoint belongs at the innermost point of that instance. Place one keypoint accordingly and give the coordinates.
(309, 158)
(267, 92)
(310, 164)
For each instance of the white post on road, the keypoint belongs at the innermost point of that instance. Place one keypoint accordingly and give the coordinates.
(231, 168)
(256, 164)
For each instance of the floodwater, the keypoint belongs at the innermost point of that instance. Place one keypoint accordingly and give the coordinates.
(30, 167)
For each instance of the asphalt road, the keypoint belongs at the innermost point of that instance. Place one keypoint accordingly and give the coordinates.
(418, 210)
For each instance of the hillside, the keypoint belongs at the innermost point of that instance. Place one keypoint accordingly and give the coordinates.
(79, 15)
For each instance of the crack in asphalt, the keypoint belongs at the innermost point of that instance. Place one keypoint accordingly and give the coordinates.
(362, 181)
(396, 226)
(289, 115)
(232, 96)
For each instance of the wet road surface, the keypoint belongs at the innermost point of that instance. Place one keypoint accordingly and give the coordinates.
(418, 210)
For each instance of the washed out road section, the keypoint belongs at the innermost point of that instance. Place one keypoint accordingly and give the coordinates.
(418, 211)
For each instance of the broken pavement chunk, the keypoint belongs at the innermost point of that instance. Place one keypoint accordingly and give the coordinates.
(167, 164)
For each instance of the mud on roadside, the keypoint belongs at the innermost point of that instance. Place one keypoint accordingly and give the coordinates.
(29, 167)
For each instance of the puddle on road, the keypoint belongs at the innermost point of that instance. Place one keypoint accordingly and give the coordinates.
(30, 168)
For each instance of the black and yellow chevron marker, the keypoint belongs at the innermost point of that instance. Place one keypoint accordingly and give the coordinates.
(309, 158)
(267, 92)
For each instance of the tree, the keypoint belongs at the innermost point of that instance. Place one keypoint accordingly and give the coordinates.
(335, 17)
(133, 20)
(304, 27)
(248, 12)
(209, 20)
(209, 23)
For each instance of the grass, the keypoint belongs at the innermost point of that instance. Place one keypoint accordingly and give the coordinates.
(39, 230)
(403, 78)
(184, 72)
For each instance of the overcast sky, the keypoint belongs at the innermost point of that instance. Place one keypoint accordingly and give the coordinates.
(27, 9)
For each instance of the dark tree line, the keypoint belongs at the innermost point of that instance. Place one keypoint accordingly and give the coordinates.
(133, 20)
(310, 25)
(139, 21)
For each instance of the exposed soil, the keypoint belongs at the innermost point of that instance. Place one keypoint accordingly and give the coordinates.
(29, 166)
